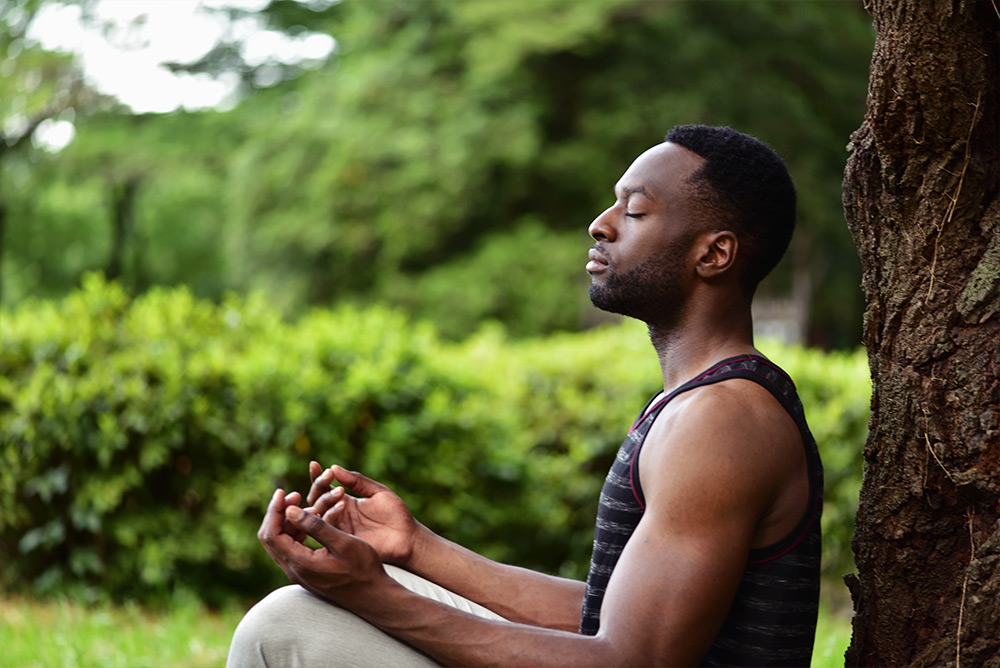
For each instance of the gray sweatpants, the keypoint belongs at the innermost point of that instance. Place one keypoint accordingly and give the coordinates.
(291, 628)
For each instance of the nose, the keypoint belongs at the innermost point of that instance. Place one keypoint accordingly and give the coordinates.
(603, 229)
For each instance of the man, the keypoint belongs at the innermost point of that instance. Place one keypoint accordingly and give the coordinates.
(706, 549)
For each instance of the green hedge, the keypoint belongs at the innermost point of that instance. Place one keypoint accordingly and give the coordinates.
(140, 439)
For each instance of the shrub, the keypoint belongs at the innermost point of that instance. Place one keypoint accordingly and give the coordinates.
(141, 439)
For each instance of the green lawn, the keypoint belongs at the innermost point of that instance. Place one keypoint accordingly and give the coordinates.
(63, 634)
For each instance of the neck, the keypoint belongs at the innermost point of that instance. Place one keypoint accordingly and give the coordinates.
(693, 345)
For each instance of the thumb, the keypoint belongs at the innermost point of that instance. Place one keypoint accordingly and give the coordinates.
(356, 482)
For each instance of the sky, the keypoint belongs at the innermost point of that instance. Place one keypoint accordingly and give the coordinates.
(126, 60)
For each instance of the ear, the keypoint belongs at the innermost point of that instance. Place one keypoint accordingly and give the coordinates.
(718, 253)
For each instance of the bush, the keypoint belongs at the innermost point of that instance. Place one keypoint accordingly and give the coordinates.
(141, 439)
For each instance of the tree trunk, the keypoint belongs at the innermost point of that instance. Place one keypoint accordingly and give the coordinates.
(921, 200)
(122, 216)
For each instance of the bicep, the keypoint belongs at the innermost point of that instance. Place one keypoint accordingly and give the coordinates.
(670, 593)
(679, 572)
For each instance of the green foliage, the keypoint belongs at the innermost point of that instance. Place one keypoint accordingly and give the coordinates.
(509, 277)
(141, 438)
(446, 152)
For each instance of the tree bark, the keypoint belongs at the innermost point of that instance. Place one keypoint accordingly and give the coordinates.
(921, 200)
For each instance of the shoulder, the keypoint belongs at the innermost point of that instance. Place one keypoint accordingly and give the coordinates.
(731, 443)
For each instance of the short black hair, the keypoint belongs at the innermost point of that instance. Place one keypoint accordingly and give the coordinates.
(743, 186)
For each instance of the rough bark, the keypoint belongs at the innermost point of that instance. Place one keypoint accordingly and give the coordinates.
(921, 200)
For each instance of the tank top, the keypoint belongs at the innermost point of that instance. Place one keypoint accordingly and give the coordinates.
(772, 620)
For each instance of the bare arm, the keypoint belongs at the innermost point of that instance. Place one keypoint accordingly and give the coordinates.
(517, 594)
(379, 516)
(707, 491)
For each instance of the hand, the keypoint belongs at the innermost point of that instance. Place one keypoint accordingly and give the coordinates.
(342, 566)
(376, 515)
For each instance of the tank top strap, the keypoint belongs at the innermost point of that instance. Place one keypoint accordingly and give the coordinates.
(750, 367)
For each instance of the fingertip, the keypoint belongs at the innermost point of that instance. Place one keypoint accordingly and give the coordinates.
(294, 513)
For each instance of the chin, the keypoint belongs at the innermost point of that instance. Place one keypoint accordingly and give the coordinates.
(605, 300)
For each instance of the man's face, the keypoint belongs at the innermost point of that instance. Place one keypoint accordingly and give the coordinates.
(642, 262)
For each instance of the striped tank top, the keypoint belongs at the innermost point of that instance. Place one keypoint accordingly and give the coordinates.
(772, 620)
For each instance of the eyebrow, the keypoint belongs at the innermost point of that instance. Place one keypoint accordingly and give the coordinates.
(625, 192)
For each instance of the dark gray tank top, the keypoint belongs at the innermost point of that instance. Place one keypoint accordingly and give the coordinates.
(772, 620)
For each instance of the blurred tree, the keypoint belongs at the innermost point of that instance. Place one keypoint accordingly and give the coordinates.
(103, 202)
(459, 124)
(138, 200)
(449, 156)
(299, 20)
(37, 89)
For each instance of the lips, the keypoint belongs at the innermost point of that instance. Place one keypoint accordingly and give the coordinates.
(598, 261)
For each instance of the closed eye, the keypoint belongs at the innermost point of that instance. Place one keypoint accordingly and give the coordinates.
(629, 214)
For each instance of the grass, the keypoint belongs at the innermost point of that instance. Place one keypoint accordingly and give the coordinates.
(66, 634)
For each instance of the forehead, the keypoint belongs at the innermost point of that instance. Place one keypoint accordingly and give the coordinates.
(660, 173)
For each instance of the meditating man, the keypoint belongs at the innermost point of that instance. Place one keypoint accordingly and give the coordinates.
(707, 544)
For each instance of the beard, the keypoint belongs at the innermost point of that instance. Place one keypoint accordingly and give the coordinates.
(651, 292)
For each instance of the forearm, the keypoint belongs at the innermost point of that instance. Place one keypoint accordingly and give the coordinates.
(518, 594)
(453, 637)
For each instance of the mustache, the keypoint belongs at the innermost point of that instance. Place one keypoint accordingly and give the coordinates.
(598, 249)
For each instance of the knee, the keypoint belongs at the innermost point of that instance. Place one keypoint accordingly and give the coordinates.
(271, 628)
(279, 611)
(291, 628)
